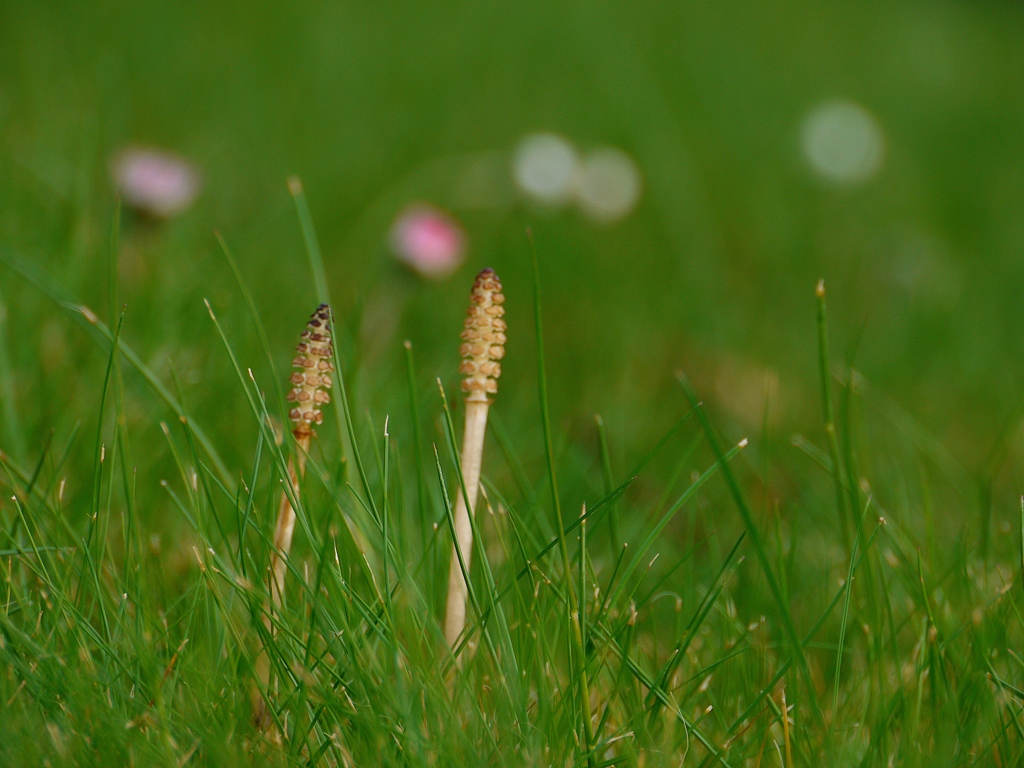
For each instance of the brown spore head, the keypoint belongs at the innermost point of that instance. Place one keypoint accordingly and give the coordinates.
(313, 377)
(483, 337)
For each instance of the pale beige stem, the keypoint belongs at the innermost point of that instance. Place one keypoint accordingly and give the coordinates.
(283, 531)
(472, 457)
(286, 525)
(309, 391)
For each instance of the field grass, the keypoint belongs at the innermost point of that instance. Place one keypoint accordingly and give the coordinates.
(760, 499)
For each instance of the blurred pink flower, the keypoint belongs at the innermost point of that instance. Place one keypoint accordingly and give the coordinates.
(158, 183)
(428, 240)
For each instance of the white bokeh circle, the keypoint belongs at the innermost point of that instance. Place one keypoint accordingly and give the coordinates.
(842, 142)
(609, 185)
(545, 168)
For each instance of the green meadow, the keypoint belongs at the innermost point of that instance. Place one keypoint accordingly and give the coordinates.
(731, 515)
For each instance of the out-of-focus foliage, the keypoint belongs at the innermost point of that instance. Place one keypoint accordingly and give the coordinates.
(379, 105)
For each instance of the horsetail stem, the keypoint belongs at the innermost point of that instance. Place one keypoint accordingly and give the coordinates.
(483, 346)
(310, 383)
(309, 391)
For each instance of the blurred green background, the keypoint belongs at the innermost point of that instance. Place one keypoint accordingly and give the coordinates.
(378, 105)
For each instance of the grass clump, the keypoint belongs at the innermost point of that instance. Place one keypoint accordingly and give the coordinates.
(686, 617)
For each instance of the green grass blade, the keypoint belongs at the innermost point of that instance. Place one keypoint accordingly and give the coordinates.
(614, 536)
(87, 319)
(255, 315)
(14, 437)
(762, 554)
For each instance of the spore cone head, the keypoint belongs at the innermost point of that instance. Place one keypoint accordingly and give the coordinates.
(313, 377)
(483, 337)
